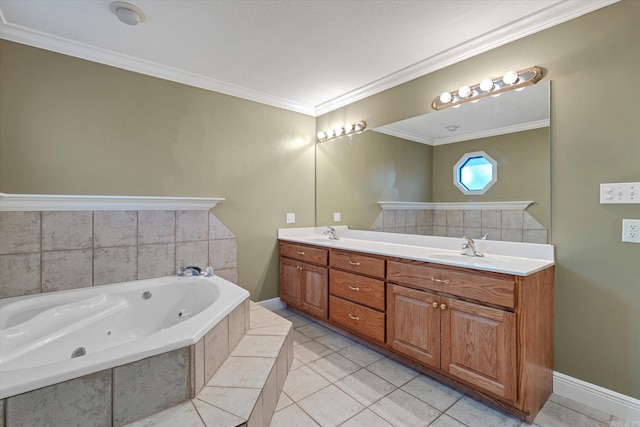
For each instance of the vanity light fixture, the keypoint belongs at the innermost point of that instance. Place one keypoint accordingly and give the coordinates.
(341, 131)
(488, 87)
(128, 13)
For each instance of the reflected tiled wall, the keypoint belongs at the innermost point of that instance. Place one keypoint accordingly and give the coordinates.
(506, 225)
(52, 251)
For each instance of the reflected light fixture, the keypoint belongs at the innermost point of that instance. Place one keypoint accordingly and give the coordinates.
(488, 87)
(128, 13)
(350, 129)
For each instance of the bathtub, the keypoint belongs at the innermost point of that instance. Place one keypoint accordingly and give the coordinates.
(103, 327)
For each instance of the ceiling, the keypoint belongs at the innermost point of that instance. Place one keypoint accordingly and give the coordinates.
(309, 56)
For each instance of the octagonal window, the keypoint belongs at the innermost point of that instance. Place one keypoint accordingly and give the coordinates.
(475, 173)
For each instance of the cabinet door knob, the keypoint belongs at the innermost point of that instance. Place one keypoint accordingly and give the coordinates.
(445, 281)
(351, 316)
(354, 288)
(354, 262)
(300, 253)
(435, 304)
(443, 306)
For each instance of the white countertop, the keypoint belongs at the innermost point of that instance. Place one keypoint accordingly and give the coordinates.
(520, 259)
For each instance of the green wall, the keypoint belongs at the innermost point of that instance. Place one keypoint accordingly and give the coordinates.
(592, 62)
(70, 126)
(354, 173)
(523, 170)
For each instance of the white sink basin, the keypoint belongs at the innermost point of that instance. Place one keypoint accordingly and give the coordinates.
(462, 259)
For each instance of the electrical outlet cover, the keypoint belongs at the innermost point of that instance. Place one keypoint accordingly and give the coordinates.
(631, 230)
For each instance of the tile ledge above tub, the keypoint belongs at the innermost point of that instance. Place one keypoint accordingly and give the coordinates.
(49, 202)
(516, 258)
(462, 206)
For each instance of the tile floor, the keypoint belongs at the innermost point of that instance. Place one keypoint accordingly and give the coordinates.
(335, 381)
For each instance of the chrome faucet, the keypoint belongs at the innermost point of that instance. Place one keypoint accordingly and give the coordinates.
(195, 271)
(469, 248)
(331, 232)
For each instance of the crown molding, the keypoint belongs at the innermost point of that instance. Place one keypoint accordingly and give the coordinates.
(461, 206)
(493, 132)
(47, 202)
(30, 37)
(546, 18)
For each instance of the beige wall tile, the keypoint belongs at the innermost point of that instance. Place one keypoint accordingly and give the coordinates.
(411, 217)
(491, 219)
(236, 325)
(156, 227)
(512, 235)
(115, 228)
(223, 253)
(440, 217)
(150, 385)
(113, 265)
(156, 260)
(192, 253)
(389, 218)
(269, 397)
(512, 219)
(230, 274)
(20, 232)
(84, 401)
(217, 230)
(401, 218)
(530, 223)
(455, 231)
(198, 366)
(471, 232)
(192, 225)
(67, 270)
(534, 236)
(455, 218)
(472, 219)
(67, 230)
(216, 348)
(19, 275)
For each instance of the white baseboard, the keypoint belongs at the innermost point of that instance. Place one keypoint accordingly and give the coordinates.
(272, 304)
(597, 397)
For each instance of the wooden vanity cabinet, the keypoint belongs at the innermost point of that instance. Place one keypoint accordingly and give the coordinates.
(488, 334)
(304, 278)
(357, 294)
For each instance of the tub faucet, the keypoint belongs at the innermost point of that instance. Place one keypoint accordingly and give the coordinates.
(331, 232)
(195, 271)
(469, 248)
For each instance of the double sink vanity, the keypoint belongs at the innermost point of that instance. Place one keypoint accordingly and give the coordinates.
(483, 325)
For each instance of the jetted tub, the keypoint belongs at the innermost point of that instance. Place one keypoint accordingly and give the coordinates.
(57, 336)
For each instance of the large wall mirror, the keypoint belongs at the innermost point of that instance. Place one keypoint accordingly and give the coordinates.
(413, 161)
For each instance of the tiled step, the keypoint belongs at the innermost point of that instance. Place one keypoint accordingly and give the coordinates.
(245, 389)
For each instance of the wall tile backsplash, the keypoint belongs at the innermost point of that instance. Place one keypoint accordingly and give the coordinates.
(52, 251)
(506, 225)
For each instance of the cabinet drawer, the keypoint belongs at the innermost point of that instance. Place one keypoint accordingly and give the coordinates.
(304, 253)
(357, 263)
(493, 288)
(360, 289)
(357, 318)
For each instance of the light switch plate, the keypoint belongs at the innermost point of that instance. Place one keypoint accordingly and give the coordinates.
(620, 193)
(291, 218)
(337, 217)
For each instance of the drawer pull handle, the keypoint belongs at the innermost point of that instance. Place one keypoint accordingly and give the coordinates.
(354, 288)
(300, 253)
(435, 304)
(351, 316)
(445, 281)
(354, 263)
(299, 268)
(443, 306)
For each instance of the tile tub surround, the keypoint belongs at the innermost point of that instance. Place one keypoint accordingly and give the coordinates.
(129, 392)
(245, 389)
(506, 225)
(43, 251)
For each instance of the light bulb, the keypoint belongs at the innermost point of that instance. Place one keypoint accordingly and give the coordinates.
(464, 92)
(486, 85)
(359, 126)
(446, 97)
(330, 133)
(339, 131)
(348, 128)
(321, 135)
(510, 77)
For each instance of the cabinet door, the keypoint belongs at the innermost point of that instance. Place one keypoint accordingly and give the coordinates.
(413, 324)
(479, 346)
(315, 290)
(290, 282)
